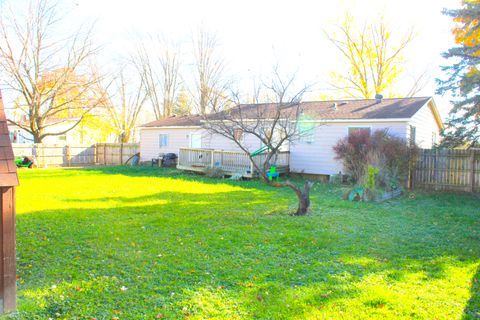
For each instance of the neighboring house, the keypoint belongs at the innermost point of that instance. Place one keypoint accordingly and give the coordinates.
(416, 120)
(19, 135)
(78, 135)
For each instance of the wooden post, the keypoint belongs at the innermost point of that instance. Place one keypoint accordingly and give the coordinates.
(105, 154)
(121, 153)
(472, 170)
(211, 158)
(38, 154)
(95, 154)
(412, 164)
(67, 154)
(7, 264)
(8, 182)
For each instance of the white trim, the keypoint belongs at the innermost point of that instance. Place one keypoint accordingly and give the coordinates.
(172, 127)
(313, 121)
(432, 106)
(358, 120)
(394, 120)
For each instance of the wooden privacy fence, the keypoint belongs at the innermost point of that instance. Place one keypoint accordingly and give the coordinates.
(48, 155)
(115, 153)
(447, 170)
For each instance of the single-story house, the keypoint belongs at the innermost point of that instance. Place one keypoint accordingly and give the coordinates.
(413, 119)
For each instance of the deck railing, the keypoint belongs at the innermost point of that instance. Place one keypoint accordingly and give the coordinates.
(232, 162)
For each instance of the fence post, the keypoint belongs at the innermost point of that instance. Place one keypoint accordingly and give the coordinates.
(436, 183)
(95, 154)
(472, 170)
(121, 153)
(211, 158)
(105, 154)
(40, 153)
(412, 164)
(67, 154)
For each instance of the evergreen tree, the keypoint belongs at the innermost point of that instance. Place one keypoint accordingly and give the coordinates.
(463, 80)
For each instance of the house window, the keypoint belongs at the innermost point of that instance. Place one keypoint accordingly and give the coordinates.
(413, 135)
(238, 134)
(359, 130)
(62, 138)
(163, 139)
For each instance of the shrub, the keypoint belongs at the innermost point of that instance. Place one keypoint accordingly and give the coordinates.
(353, 151)
(391, 155)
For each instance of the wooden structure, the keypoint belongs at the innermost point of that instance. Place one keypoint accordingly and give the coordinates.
(8, 182)
(230, 162)
(447, 170)
(115, 153)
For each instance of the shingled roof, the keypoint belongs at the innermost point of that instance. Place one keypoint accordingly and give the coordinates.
(176, 121)
(8, 170)
(397, 108)
(366, 109)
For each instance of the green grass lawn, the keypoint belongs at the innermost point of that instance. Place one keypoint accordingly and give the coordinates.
(147, 243)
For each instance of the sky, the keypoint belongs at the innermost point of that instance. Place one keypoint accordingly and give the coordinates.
(257, 34)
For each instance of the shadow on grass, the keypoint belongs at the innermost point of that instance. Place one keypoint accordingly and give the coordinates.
(145, 171)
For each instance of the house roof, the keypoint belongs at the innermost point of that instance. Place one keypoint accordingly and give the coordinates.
(395, 108)
(175, 121)
(8, 170)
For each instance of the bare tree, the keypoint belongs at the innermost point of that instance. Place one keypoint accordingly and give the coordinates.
(209, 68)
(160, 73)
(52, 76)
(125, 105)
(374, 58)
(275, 124)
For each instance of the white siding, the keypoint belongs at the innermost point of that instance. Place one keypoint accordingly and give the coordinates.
(177, 138)
(426, 126)
(318, 157)
(180, 138)
(219, 142)
(314, 158)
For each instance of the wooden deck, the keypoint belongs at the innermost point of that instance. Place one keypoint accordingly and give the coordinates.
(230, 162)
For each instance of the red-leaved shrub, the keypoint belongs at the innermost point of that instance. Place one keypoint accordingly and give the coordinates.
(390, 154)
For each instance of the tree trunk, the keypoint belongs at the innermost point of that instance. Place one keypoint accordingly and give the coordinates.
(303, 196)
(124, 137)
(37, 137)
(203, 99)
